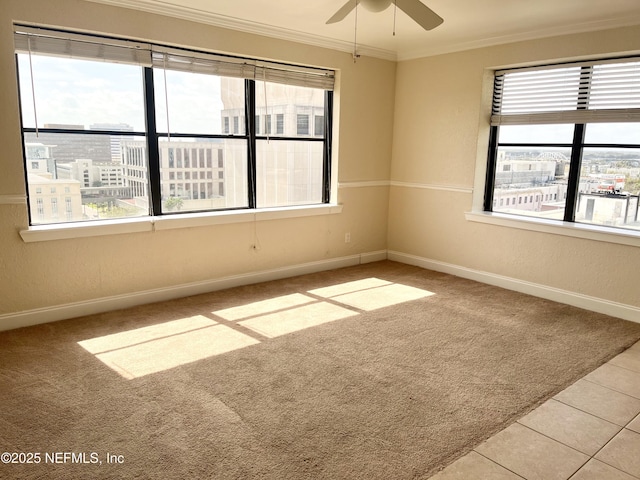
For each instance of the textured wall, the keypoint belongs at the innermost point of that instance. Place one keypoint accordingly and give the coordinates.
(440, 140)
(423, 124)
(51, 273)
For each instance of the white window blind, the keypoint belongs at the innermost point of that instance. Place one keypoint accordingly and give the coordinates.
(195, 62)
(200, 62)
(76, 45)
(605, 91)
(298, 76)
(87, 47)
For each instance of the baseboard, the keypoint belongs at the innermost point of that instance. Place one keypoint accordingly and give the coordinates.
(373, 256)
(619, 310)
(77, 309)
(61, 312)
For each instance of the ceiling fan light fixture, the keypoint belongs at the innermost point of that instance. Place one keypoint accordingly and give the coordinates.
(415, 9)
(375, 5)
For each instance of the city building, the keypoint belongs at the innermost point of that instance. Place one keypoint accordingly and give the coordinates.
(50, 198)
(532, 183)
(211, 174)
(92, 174)
(115, 141)
(609, 209)
(194, 172)
(289, 172)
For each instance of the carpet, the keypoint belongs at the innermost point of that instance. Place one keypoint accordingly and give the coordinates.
(376, 371)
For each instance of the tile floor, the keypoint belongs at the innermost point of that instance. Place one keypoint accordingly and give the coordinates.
(589, 431)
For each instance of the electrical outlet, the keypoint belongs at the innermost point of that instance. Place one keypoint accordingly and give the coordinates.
(347, 237)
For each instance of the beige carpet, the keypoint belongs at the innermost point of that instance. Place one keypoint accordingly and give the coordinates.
(376, 372)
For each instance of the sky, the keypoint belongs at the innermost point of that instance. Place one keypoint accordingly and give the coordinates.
(81, 92)
(72, 91)
(616, 133)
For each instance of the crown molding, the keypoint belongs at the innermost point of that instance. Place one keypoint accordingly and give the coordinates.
(520, 37)
(161, 7)
(223, 21)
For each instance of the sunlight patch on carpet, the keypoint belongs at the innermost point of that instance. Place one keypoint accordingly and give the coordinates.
(145, 334)
(349, 287)
(371, 294)
(381, 297)
(291, 313)
(143, 351)
(160, 347)
(301, 318)
(265, 306)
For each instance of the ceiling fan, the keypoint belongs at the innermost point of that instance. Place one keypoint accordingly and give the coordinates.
(420, 13)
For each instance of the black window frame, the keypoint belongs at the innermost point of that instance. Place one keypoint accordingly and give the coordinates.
(577, 146)
(153, 136)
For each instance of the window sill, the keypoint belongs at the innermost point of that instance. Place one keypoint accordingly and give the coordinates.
(42, 233)
(577, 230)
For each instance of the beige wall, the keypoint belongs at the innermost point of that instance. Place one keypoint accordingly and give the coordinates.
(440, 141)
(422, 124)
(52, 273)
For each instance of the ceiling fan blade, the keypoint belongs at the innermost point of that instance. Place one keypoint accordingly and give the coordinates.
(420, 13)
(343, 12)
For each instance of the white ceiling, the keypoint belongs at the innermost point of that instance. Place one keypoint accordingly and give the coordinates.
(467, 23)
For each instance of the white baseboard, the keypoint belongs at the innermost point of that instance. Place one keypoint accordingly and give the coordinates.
(61, 312)
(373, 256)
(77, 309)
(619, 310)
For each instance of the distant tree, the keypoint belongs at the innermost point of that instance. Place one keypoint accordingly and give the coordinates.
(173, 203)
(632, 185)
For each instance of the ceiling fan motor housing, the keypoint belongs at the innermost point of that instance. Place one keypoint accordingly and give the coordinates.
(375, 5)
(418, 11)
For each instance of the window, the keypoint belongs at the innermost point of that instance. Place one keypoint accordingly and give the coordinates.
(303, 124)
(279, 124)
(289, 167)
(54, 207)
(40, 207)
(318, 125)
(568, 135)
(145, 110)
(68, 208)
(267, 124)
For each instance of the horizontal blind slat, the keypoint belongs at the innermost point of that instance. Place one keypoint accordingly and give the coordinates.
(322, 79)
(234, 67)
(90, 47)
(569, 116)
(86, 47)
(590, 92)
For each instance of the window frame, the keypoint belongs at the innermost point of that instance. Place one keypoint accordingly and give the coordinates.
(153, 136)
(577, 146)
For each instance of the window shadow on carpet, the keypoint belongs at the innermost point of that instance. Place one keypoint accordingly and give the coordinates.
(155, 348)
